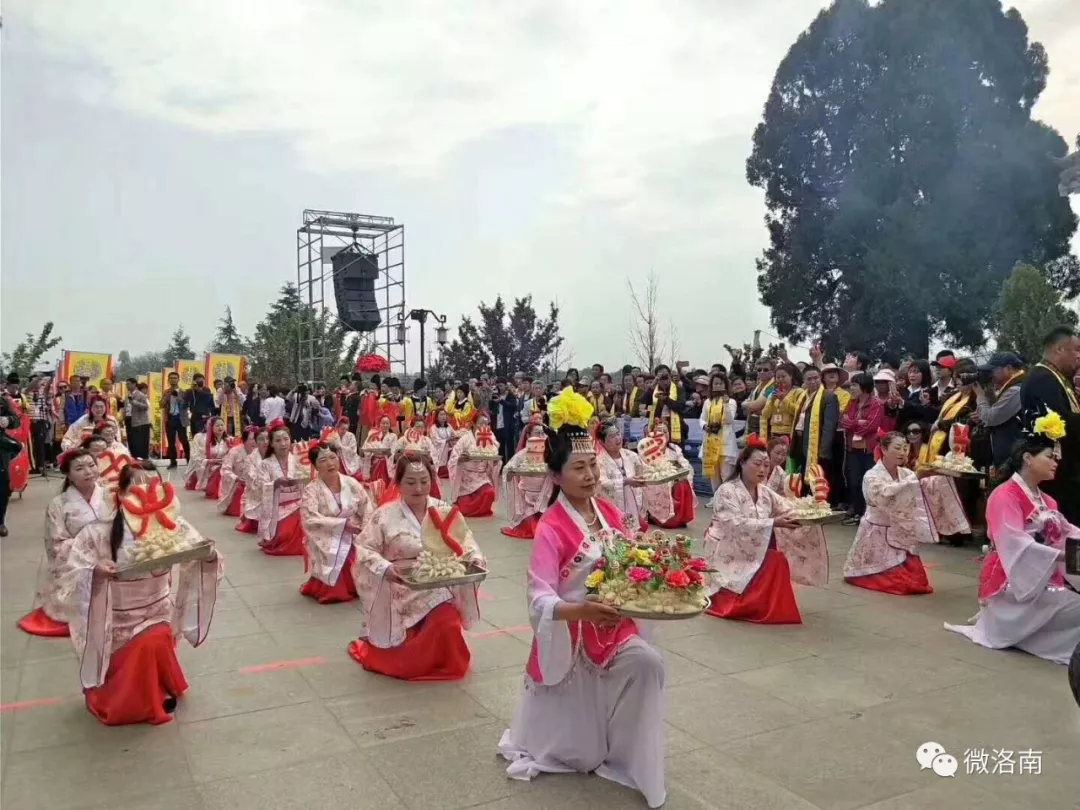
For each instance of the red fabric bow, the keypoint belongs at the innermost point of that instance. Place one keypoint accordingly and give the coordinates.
(151, 502)
(443, 525)
(484, 438)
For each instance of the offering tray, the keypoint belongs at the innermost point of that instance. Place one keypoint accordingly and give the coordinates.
(532, 471)
(651, 616)
(376, 451)
(473, 575)
(200, 551)
(666, 478)
(819, 520)
(481, 456)
(952, 472)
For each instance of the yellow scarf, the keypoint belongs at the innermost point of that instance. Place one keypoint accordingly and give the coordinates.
(599, 404)
(1069, 392)
(408, 409)
(676, 429)
(792, 401)
(953, 405)
(814, 416)
(843, 396)
(714, 442)
(631, 403)
(465, 412)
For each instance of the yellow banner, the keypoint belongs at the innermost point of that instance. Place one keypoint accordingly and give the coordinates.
(94, 367)
(155, 385)
(188, 369)
(220, 366)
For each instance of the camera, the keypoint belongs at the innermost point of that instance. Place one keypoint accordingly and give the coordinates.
(969, 378)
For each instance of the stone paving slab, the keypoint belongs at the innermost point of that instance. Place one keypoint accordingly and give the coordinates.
(827, 715)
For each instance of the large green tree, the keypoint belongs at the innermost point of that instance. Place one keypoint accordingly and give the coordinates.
(503, 341)
(179, 347)
(145, 363)
(27, 354)
(1027, 310)
(227, 339)
(904, 175)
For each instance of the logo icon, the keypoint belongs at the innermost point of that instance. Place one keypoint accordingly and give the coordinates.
(932, 755)
(945, 765)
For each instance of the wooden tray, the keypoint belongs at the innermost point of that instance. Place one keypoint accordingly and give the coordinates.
(475, 457)
(834, 517)
(650, 482)
(474, 575)
(197, 552)
(952, 473)
(530, 472)
(658, 617)
(374, 451)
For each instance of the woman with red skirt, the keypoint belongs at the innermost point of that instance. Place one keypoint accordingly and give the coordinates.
(414, 635)
(526, 487)
(474, 469)
(375, 454)
(671, 505)
(334, 510)
(125, 630)
(234, 474)
(251, 502)
(281, 479)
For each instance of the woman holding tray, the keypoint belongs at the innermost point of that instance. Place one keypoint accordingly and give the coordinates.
(620, 467)
(125, 630)
(234, 474)
(752, 574)
(280, 479)
(416, 442)
(375, 453)
(1025, 601)
(81, 501)
(334, 510)
(594, 689)
(943, 503)
(885, 554)
(474, 469)
(82, 427)
(415, 635)
(217, 446)
(524, 496)
(252, 500)
(109, 430)
(671, 505)
(442, 435)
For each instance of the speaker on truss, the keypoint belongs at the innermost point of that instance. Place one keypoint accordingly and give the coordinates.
(355, 274)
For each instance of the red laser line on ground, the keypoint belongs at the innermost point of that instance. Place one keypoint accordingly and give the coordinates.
(504, 631)
(485, 597)
(301, 662)
(28, 704)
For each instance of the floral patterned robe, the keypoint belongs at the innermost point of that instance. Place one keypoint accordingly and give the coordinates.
(467, 476)
(615, 475)
(394, 535)
(78, 430)
(523, 495)
(657, 498)
(893, 526)
(739, 534)
(252, 503)
(65, 516)
(276, 504)
(104, 615)
(233, 474)
(196, 462)
(805, 547)
(345, 447)
(442, 442)
(375, 441)
(325, 517)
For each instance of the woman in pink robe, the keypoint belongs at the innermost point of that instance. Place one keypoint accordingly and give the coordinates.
(416, 441)
(218, 445)
(442, 435)
(334, 510)
(343, 443)
(885, 554)
(125, 630)
(280, 478)
(251, 502)
(1023, 597)
(413, 635)
(524, 497)
(375, 454)
(79, 430)
(196, 466)
(594, 689)
(81, 501)
(671, 505)
(234, 474)
(620, 467)
(474, 470)
(943, 503)
(752, 575)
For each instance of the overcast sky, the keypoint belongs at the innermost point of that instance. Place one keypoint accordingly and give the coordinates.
(157, 157)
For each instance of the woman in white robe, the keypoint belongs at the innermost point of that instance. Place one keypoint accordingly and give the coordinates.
(442, 435)
(593, 700)
(885, 554)
(281, 478)
(216, 445)
(252, 500)
(671, 505)
(334, 510)
(375, 454)
(342, 442)
(943, 504)
(234, 474)
(1023, 596)
(197, 462)
(474, 470)
(109, 430)
(414, 635)
(620, 472)
(81, 501)
(125, 630)
(82, 427)
(525, 494)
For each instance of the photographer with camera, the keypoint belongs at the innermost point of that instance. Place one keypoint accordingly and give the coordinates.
(998, 409)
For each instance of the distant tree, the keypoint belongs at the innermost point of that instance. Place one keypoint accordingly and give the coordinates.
(27, 354)
(227, 339)
(145, 363)
(179, 347)
(645, 327)
(503, 342)
(904, 175)
(1027, 310)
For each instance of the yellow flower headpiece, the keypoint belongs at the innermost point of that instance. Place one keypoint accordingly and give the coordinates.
(1052, 426)
(569, 408)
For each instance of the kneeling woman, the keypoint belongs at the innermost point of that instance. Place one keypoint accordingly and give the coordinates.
(234, 474)
(334, 511)
(885, 554)
(1025, 602)
(81, 502)
(413, 635)
(280, 480)
(525, 497)
(474, 470)
(594, 690)
(218, 446)
(672, 505)
(124, 630)
(752, 576)
(251, 502)
(374, 455)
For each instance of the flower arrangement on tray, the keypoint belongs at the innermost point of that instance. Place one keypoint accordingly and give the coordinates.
(652, 575)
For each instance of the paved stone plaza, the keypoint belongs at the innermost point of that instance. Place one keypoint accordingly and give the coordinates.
(827, 715)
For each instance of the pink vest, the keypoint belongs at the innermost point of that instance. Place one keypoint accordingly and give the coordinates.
(992, 577)
(598, 645)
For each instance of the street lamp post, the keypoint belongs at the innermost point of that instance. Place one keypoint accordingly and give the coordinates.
(421, 317)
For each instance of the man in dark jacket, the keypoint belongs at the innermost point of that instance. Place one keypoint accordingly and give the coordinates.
(1048, 386)
(200, 401)
(504, 418)
(999, 410)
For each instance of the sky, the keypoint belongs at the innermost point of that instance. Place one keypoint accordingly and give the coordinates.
(156, 158)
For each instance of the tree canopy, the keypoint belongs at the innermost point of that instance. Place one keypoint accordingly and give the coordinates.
(227, 339)
(1027, 310)
(904, 175)
(504, 341)
(27, 354)
(179, 347)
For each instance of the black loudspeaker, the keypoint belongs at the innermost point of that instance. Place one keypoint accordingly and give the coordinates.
(355, 274)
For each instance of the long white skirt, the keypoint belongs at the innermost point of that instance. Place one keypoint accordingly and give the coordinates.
(610, 722)
(1047, 626)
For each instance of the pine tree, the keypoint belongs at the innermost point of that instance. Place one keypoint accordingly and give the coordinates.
(227, 339)
(179, 347)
